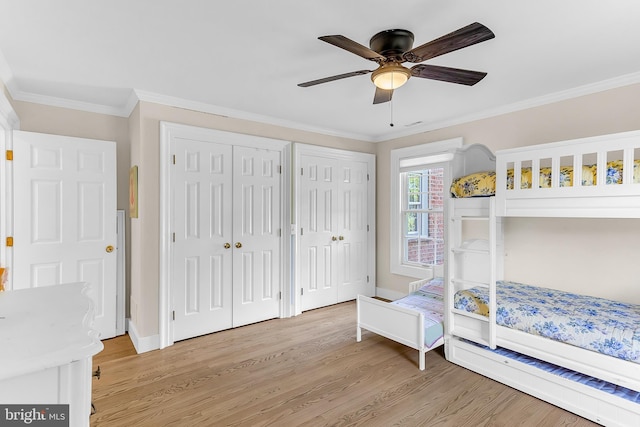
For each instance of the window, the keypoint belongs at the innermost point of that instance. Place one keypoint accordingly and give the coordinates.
(419, 177)
(423, 217)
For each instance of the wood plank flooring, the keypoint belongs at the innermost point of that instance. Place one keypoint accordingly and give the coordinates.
(304, 371)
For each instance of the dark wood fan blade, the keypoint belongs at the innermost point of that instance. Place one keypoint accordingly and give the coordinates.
(382, 95)
(464, 37)
(332, 78)
(353, 47)
(446, 74)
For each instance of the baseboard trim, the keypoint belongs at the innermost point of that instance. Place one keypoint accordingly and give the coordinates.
(142, 344)
(388, 294)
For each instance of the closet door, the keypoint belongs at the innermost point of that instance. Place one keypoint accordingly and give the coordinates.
(336, 241)
(202, 266)
(318, 199)
(256, 235)
(226, 250)
(352, 224)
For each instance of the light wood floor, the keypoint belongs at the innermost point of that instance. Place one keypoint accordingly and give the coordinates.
(303, 371)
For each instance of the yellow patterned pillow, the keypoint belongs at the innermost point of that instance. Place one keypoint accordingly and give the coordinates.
(475, 184)
(566, 177)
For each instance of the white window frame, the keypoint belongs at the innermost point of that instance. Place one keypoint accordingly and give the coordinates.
(414, 158)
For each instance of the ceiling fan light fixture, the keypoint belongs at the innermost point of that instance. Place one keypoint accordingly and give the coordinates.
(389, 77)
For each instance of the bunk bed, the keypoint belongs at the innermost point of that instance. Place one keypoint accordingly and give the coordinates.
(416, 319)
(587, 178)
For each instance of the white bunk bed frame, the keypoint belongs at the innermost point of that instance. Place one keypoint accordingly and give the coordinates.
(401, 324)
(599, 201)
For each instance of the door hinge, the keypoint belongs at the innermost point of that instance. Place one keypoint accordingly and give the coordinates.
(174, 159)
(279, 295)
(173, 237)
(367, 227)
(301, 231)
(279, 232)
(367, 279)
(9, 155)
(280, 169)
(367, 177)
(9, 242)
(301, 171)
(173, 315)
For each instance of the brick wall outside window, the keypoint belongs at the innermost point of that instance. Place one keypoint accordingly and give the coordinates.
(427, 251)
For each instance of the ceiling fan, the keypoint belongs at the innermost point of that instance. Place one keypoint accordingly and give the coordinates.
(390, 48)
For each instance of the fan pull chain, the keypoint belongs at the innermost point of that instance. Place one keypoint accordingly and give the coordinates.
(391, 113)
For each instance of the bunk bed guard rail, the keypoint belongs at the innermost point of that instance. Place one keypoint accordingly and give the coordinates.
(596, 177)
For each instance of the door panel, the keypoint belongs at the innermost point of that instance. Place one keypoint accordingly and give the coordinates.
(201, 199)
(65, 217)
(256, 227)
(352, 230)
(318, 200)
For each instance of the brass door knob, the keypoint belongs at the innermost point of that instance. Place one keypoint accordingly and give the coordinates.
(109, 249)
(341, 238)
(334, 238)
(238, 245)
(227, 245)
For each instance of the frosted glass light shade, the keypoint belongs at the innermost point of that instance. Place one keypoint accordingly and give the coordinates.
(390, 76)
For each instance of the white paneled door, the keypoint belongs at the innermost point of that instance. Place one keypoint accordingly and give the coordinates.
(226, 250)
(353, 243)
(256, 235)
(202, 196)
(317, 260)
(64, 218)
(334, 214)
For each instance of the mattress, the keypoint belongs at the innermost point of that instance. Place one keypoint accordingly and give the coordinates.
(482, 184)
(428, 300)
(614, 389)
(597, 324)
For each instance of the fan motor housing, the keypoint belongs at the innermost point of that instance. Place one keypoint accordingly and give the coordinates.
(392, 42)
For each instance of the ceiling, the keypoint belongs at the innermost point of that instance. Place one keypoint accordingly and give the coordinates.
(244, 58)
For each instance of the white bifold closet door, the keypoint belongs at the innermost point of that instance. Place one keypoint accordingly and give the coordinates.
(335, 238)
(64, 216)
(226, 250)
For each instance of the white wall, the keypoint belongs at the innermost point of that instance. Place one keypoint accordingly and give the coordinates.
(598, 257)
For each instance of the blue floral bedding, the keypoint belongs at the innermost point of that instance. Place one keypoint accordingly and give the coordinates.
(429, 301)
(597, 324)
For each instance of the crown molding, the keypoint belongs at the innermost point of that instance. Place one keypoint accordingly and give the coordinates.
(589, 89)
(241, 115)
(8, 117)
(139, 95)
(53, 101)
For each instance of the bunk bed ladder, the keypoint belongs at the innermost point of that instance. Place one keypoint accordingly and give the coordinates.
(486, 212)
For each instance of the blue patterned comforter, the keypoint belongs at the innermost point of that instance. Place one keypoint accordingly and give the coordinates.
(428, 301)
(597, 324)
